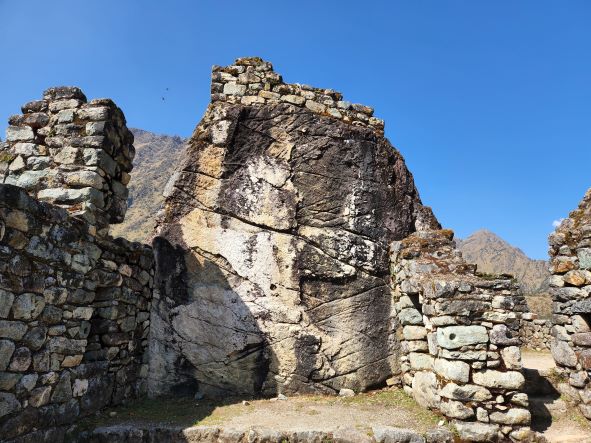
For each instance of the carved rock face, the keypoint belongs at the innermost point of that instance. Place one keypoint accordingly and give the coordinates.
(272, 255)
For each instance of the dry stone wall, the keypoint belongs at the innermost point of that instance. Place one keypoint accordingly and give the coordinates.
(74, 302)
(570, 287)
(73, 153)
(460, 338)
(535, 333)
(252, 81)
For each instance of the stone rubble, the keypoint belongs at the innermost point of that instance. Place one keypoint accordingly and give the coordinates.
(570, 287)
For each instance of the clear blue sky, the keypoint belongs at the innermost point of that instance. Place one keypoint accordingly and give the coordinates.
(488, 101)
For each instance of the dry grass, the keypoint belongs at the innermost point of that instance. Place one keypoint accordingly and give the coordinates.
(387, 407)
(540, 304)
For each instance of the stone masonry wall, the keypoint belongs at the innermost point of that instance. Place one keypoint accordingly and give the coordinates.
(251, 80)
(570, 287)
(535, 333)
(74, 302)
(71, 152)
(459, 336)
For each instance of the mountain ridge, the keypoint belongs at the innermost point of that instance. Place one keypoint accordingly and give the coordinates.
(155, 161)
(495, 255)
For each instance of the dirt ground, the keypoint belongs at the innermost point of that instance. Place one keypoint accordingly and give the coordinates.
(561, 422)
(540, 360)
(390, 407)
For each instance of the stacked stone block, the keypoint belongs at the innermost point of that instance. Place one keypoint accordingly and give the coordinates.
(76, 154)
(252, 81)
(535, 333)
(570, 287)
(74, 302)
(460, 338)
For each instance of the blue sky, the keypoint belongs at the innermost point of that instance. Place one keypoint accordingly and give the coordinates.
(488, 101)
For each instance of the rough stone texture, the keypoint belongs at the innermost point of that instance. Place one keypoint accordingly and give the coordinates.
(74, 309)
(535, 333)
(468, 367)
(213, 434)
(272, 245)
(570, 287)
(71, 152)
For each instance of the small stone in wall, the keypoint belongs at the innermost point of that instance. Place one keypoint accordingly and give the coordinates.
(21, 360)
(511, 357)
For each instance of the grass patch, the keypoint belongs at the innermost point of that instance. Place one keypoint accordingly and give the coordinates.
(186, 412)
(173, 411)
(394, 398)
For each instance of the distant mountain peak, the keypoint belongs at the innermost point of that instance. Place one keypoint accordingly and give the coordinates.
(495, 255)
(156, 158)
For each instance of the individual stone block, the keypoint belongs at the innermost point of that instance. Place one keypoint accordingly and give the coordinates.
(63, 389)
(6, 299)
(465, 393)
(456, 409)
(514, 416)
(452, 370)
(40, 396)
(19, 134)
(12, 329)
(28, 306)
(21, 360)
(477, 432)
(502, 336)
(8, 380)
(584, 256)
(410, 316)
(6, 350)
(35, 337)
(496, 379)
(419, 361)
(234, 89)
(453, 337)
(563, 354)
(386, 434)
(511, 357)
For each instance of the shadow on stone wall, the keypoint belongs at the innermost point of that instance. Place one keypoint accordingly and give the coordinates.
(196, 306)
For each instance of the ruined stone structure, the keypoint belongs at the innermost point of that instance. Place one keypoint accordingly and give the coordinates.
(271, 251)
(570, 286)
(293, 255)
(73, 153)
(460, 338)
(74, 302)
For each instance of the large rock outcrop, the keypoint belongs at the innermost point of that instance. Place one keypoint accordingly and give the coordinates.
(272, 247)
